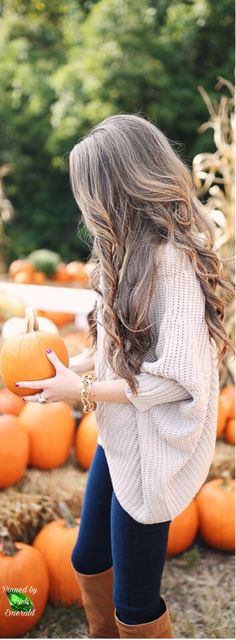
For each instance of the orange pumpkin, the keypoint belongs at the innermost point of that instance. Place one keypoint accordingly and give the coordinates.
(230, 431)
(10, 403)
(55, 542)
(24, 277)
(229, 394)
(223, 412)
(20, 265)
(14, 450)
(23, 356)
(39, 277)
(183, 530)
(76, 272)
(60, 318)
(86, 440)
(22, 567)
(50, 428)
(216, 504)
(61, 274)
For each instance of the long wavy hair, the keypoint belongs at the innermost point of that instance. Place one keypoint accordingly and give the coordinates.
(135, 192)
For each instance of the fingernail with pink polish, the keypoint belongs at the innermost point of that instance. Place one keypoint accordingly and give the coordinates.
(17, 385)
(49, 350)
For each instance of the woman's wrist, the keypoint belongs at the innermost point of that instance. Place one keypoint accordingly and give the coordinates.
(108, 391)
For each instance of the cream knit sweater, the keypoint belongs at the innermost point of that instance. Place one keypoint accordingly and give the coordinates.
(160, 445)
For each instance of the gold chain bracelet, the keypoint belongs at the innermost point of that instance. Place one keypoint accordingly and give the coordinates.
(87, 380)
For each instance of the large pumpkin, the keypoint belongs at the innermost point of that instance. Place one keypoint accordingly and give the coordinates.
(22, 567)
(86, 440)
(55, 542)
(23, 356)
(50, 428)
(216, 504)
(10, 403)
(14, 450)
(183, 530)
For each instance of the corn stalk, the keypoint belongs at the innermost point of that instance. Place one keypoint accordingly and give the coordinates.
(213, 175)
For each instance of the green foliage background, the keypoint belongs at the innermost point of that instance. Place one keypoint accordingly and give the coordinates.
(64, 66)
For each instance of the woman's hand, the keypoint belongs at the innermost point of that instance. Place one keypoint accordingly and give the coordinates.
(65, 385)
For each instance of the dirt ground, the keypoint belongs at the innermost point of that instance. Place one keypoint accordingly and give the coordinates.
(199, 589)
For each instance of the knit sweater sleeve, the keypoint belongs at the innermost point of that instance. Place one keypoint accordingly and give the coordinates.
(178, 371)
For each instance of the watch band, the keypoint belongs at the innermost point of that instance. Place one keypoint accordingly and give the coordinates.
(87, 380)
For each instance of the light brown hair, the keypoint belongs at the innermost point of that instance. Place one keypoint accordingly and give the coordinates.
(134, 192)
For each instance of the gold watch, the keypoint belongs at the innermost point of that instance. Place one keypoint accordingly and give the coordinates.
(87, 380)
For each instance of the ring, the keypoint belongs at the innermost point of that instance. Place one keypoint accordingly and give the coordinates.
(41, 398)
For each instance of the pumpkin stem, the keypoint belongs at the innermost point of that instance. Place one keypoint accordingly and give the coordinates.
(8, 546)
(67, 515)
(31, 320)
(226, 476)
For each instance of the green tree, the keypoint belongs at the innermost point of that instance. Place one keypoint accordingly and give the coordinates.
(67, 65)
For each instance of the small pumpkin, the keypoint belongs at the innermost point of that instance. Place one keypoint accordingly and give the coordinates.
(20, 265)
(22, 567)
(39, 277)
(77, 272)
(50, 428)
(183, 530)
(61, 275)
(56, 541)
(23, 356)
(86, 440)
(10, 403)
(216, 504)
(60, 318)
(24, 277)
(230, 431)
(14, 450)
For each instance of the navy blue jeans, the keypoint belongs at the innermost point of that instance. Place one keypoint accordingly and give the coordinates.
(108, 536)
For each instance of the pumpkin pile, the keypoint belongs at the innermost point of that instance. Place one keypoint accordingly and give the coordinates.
(211, 514)
(30, 575)
(43, 264)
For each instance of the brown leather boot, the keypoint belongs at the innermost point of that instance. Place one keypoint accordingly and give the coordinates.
(159, 628)
(96, 592)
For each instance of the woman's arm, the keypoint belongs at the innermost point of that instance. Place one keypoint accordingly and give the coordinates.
(166, 390)
(83, 361)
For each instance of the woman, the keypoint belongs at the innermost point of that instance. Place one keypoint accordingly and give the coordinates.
(158, 340)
